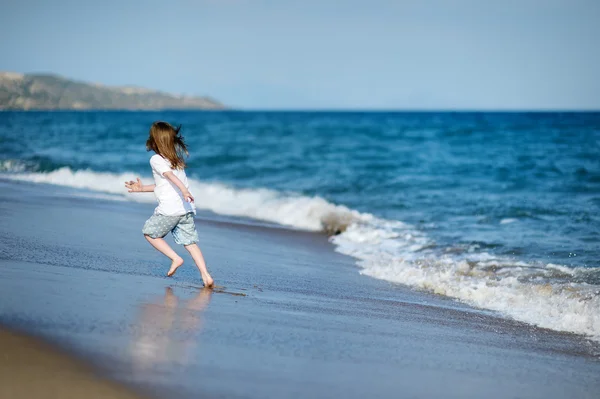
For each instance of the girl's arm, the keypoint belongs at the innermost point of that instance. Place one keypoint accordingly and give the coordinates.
(138, 187)
(175, 180)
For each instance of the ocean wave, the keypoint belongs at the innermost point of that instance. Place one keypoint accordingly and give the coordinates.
(293, 210)
(547, 295)
(17, 166)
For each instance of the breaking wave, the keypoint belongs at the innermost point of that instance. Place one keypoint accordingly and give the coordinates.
(297, 211)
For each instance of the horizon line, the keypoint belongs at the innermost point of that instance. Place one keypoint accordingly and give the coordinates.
(325, 110)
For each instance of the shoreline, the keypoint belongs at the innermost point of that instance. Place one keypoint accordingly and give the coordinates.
(292, 317)
(450, 271)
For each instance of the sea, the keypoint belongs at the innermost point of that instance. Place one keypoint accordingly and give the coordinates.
(497, 210)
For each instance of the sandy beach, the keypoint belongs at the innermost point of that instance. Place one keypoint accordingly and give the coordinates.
(33, 369)
(289, 318)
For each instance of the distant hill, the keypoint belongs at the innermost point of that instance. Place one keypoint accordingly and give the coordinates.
(48, 92)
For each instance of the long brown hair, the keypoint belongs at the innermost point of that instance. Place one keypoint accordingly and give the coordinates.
(166, 141)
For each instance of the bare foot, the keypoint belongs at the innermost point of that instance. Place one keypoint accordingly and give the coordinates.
(176, 263)
(208, 280)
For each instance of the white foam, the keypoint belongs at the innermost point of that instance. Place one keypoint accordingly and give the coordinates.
(301, 212)
(543, 295)
(13, 166)
(508, 220)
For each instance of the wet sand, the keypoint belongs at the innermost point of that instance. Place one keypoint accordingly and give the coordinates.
(291, 317)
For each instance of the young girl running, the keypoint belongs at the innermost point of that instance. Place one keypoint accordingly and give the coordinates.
(175, 211)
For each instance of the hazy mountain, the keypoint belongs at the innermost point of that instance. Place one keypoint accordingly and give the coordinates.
(42, 91)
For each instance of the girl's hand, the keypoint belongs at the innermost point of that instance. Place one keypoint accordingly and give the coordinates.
(134, 187)
(187, 196)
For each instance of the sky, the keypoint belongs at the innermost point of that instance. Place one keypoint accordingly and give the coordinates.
(327, 54)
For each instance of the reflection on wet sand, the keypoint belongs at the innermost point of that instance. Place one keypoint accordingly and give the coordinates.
(168, 330)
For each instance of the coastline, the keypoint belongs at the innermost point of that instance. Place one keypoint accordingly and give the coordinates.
(293, 318)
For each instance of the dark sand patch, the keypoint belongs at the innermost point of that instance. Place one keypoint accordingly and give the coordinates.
(32, 369)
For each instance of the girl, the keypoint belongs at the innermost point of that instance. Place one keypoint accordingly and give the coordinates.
(175, 211)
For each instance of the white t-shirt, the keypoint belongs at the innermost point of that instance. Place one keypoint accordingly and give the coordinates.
(170, 200)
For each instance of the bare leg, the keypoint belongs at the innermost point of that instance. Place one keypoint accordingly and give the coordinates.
(194, 250)
(164, 248)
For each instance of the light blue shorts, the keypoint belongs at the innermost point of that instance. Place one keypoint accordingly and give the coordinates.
(182, 227)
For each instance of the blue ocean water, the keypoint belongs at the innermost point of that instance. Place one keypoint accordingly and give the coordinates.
(520, 187)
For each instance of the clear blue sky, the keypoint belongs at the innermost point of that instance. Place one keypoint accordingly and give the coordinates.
(368, 54)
